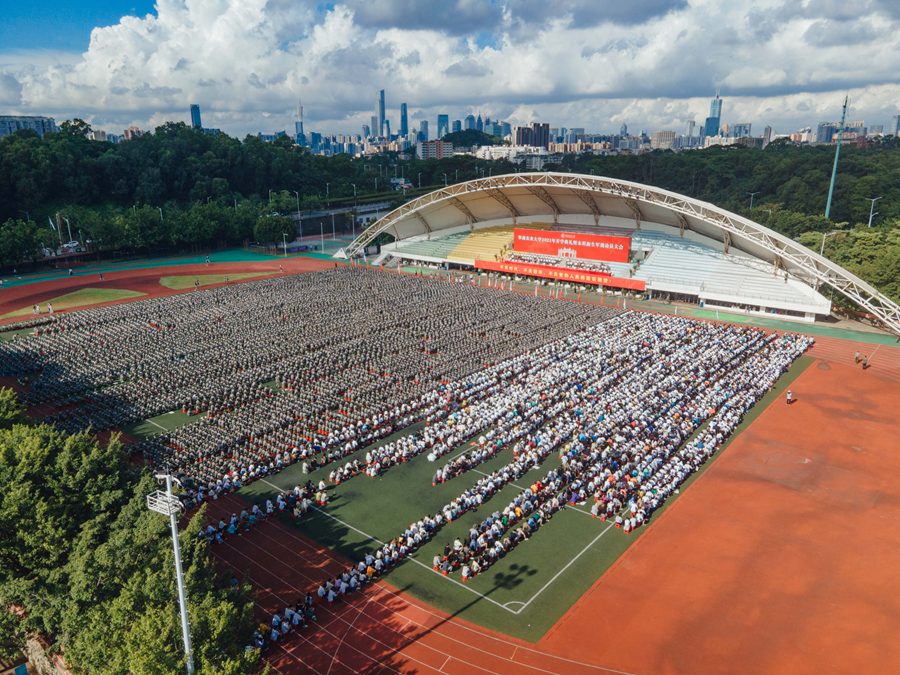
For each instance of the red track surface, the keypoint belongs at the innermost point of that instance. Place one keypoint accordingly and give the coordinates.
(143, 280)
(780, 559)
(377, 630)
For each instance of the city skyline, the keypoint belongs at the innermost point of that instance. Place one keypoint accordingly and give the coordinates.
(778, 64)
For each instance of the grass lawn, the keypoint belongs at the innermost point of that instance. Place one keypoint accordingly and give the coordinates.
(155, 425)
(525, 593)
(86, 296)
(180, 283)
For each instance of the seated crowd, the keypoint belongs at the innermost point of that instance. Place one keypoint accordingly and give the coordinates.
(559, 261)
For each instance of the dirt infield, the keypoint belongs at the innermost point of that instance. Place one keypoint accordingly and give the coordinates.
(781, 559)
(143, 280)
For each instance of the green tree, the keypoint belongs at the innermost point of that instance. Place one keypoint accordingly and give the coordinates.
(87, 564)
(273, 228)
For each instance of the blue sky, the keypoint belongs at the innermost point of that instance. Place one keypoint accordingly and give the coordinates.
(652, 64)
(52, 24)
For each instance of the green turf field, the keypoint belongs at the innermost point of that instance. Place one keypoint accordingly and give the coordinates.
(155, 425)
(522, 595)
(80, 298)
(180, 283)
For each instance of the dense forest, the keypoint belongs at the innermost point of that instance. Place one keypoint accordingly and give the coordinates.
(179, 186)
(89, 569)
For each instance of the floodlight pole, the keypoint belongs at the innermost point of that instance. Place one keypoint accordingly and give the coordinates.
(872, 209)
(837, 153)
(168, 504)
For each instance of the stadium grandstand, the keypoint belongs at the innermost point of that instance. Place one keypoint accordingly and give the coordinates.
(664, 245)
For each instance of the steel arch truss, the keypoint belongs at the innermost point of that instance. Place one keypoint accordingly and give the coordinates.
(783, 253)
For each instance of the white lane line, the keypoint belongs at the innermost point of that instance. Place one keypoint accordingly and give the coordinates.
(563, 569)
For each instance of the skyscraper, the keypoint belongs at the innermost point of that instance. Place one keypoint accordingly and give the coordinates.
(826, 131)
(299, 136)
(524, 135)
(376, 130)
(505, 128)
(195, 116)
(379, 110)
(689, 128)
(443, 125)
(404, 122)
(457, 125)
(540, 134)
(715, 116)
(387, 129)
(479, 125)
(623, 131)
(423, 130)
(767, 136)
(895, 125)
(469, 122)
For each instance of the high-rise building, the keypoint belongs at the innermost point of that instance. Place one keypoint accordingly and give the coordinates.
(10, 124)
(711, 127)
(434, 150)
(739, 130)
(456, 126)
(895, 126)
(767, 136)
(689, 128)
(505, 129)
(662, 140)
(132, 132)
(876, 130)
(443, 125)
(376, 130)
(366, 131)
(387, 129)
(540, 134)
(404, 121)
(479, 125)
(523, 136)
(195, 116)
(423, 130)
(825, 131)
(299, 135)
(469, 122)
(379, 110)
(715, 106)
(623, 130)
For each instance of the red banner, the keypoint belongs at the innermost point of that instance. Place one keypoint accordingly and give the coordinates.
(561, 273)
(572, 245)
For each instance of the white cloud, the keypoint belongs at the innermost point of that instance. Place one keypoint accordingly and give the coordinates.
(591, 64)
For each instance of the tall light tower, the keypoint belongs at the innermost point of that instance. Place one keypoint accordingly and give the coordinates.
(168, 504)
(872, 208)
(836, 155)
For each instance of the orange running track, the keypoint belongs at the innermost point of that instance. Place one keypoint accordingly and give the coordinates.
(781, 558)
(145, 280)
(376, 630)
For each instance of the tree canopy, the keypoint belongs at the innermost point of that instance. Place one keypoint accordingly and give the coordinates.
(88, 566)
(181, 186)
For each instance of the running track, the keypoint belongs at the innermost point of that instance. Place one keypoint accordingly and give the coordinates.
(378, 630)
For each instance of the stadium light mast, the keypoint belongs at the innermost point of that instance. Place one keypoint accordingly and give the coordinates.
(837, 154)
(872, 208)
(168, 504)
